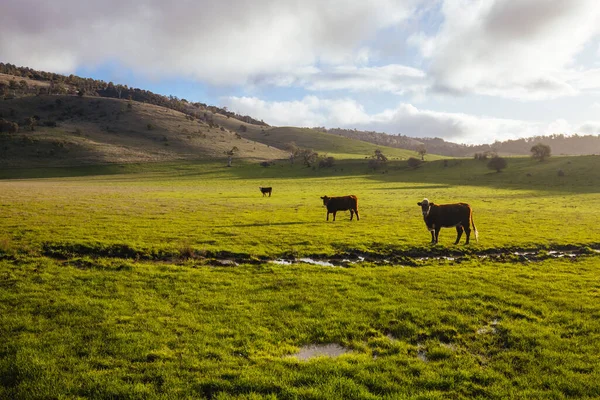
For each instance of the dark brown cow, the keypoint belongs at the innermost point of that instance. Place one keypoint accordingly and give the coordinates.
(265, 190)
(459, 215)
(335, 204)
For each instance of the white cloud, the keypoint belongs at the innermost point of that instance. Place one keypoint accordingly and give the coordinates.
(589, 128)
(405, 119)
(397, 79)
(224, 42)
(517, 49)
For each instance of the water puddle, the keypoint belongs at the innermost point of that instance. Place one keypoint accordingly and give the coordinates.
(320, 350)
(421, 352)
(489, 328)
(316, 262)
(413, 260)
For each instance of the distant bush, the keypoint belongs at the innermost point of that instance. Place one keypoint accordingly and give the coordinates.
(561, 172)
(485, 155)
(541, 151)
(414, 162)
(51, 124)
(150, 127)
(8, 126)
(497, 163)
(326, 162)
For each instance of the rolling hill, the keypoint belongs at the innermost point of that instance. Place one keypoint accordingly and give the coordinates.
(62, 130)
(71, 130)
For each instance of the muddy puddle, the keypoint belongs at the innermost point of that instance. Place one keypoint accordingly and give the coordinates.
(410, 259)
(404, 258)
(320, 350)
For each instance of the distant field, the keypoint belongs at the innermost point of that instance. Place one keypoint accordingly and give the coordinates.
(121, 282)
(211, 207)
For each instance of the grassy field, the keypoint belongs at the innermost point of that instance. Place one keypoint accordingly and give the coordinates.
(154, 281)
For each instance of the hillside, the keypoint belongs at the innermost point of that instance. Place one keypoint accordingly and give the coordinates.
(560, 144)
(321, 142)
(71, 130)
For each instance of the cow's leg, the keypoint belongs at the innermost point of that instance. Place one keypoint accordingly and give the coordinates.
(459, 232)
(327, 215)
(437, 235)
(351, 214)
(467, 233)
(269, 194)
(432, 236)
(335, 212)
(357, 217)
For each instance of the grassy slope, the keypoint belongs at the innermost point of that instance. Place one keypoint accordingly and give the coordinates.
(94, 130)
(323, 143)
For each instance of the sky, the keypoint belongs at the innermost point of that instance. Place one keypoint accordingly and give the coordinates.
(467, 71)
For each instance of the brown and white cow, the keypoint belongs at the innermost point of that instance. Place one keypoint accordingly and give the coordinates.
(265, 190)
(459, 215)
(343, 203)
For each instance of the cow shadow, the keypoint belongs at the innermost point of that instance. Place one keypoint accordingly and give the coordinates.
(258, 224)
(415, 187)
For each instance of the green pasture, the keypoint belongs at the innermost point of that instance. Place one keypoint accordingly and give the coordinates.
(112, 286)
(208, 207)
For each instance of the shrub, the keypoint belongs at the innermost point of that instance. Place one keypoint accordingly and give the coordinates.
(540, 151)
(497, 163)
(414, 162)
(326, 162)
(8, 126)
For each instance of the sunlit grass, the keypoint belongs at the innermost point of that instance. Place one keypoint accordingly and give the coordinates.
(108, 287)
(100, 328)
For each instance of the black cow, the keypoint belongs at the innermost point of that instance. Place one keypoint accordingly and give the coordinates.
(335, 204)
(459, 215)
(265, 190)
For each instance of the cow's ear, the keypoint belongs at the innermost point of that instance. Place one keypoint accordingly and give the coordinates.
(323, 198)
(431, 204)
(419, 204)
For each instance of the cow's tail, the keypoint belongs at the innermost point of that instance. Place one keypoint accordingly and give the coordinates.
(474, 229)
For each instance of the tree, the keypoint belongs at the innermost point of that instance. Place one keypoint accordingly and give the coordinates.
(497, 163)
(540, 151)
(378, 155)
(309, 156)
(378, 160)
(230, 154)
(421, 150)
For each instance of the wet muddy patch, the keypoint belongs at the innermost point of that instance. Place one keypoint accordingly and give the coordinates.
(320, 350)
(404, 258)
(417, 258)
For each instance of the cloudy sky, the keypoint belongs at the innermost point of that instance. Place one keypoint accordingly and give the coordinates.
(469, 71)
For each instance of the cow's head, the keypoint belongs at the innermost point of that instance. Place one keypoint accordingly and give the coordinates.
(425, 206)
(325, 200)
